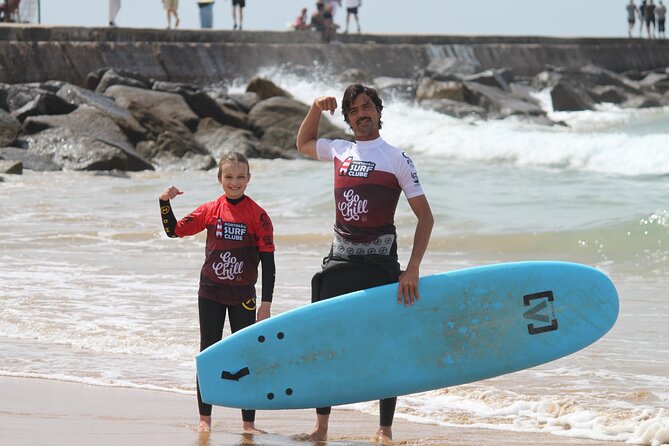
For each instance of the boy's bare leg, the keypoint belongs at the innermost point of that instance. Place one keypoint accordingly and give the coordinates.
(205, 424)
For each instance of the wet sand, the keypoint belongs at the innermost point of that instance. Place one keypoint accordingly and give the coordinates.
(45, 412)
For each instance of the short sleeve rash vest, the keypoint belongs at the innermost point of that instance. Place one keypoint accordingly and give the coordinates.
(235, 236)
(368, 179)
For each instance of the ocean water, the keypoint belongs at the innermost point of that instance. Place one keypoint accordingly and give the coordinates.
(92, 291)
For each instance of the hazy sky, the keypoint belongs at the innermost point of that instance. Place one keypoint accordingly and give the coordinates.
(502, 17)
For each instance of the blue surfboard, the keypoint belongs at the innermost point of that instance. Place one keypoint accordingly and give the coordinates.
(468, 325)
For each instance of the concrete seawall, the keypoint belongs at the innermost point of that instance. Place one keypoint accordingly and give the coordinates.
(39, 53)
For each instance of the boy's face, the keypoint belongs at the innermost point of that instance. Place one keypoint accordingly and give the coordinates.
(234, 177)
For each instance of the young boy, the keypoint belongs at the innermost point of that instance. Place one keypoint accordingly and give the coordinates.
(239, 238)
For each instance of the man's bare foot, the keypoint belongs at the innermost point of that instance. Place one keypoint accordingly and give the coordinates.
(384, 436)
(205, 424)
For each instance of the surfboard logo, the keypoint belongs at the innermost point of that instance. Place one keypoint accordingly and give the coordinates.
(543, 303)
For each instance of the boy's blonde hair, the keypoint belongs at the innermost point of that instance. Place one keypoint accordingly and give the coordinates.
(233, 157)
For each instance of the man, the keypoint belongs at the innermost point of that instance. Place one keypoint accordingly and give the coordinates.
(370, 174)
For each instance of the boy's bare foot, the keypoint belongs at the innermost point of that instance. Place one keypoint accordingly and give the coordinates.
(250, 428)
(316, 436)
(205, 424)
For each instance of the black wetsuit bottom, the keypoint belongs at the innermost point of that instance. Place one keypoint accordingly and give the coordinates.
(212, 320)
(340, 277)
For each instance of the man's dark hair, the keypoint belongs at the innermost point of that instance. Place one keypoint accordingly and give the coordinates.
(355, 90)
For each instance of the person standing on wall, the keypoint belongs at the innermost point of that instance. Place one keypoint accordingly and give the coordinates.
(114, 8)
(206, 13)
(171, 8)
(631, 17)
(352, 10)
(238, 13)
(661, 14)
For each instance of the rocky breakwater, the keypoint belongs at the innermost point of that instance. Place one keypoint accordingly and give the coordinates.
(125, 121)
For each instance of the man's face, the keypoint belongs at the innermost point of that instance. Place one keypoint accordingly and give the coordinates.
(364, 118)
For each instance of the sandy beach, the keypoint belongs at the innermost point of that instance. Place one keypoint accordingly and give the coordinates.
(45, 412)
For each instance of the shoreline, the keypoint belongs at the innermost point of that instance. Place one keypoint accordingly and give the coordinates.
(39, 411)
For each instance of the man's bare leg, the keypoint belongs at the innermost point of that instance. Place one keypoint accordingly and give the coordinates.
(320, 432)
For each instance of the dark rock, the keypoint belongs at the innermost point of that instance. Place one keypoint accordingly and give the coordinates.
(217, 92)
(176, 151)
(11, 167)
(30, 161)
(498, 103)
(53, 86)
(590, 76)
(9, 128)
(453, 108)
(122, 117)
(218, 139)
(492, 78)
(202, 104)
(646, 101)
(19, 95)
(3, 97)
(93, 78)
(88, 121)
(266, 89)
(656, 82)
(122, 77)
(73, 151)
(633, 75)
(44, 104)
(275, 123)
(243, 101)
(567, 97)
(608, 94)
(161, 106)
(430, 89)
